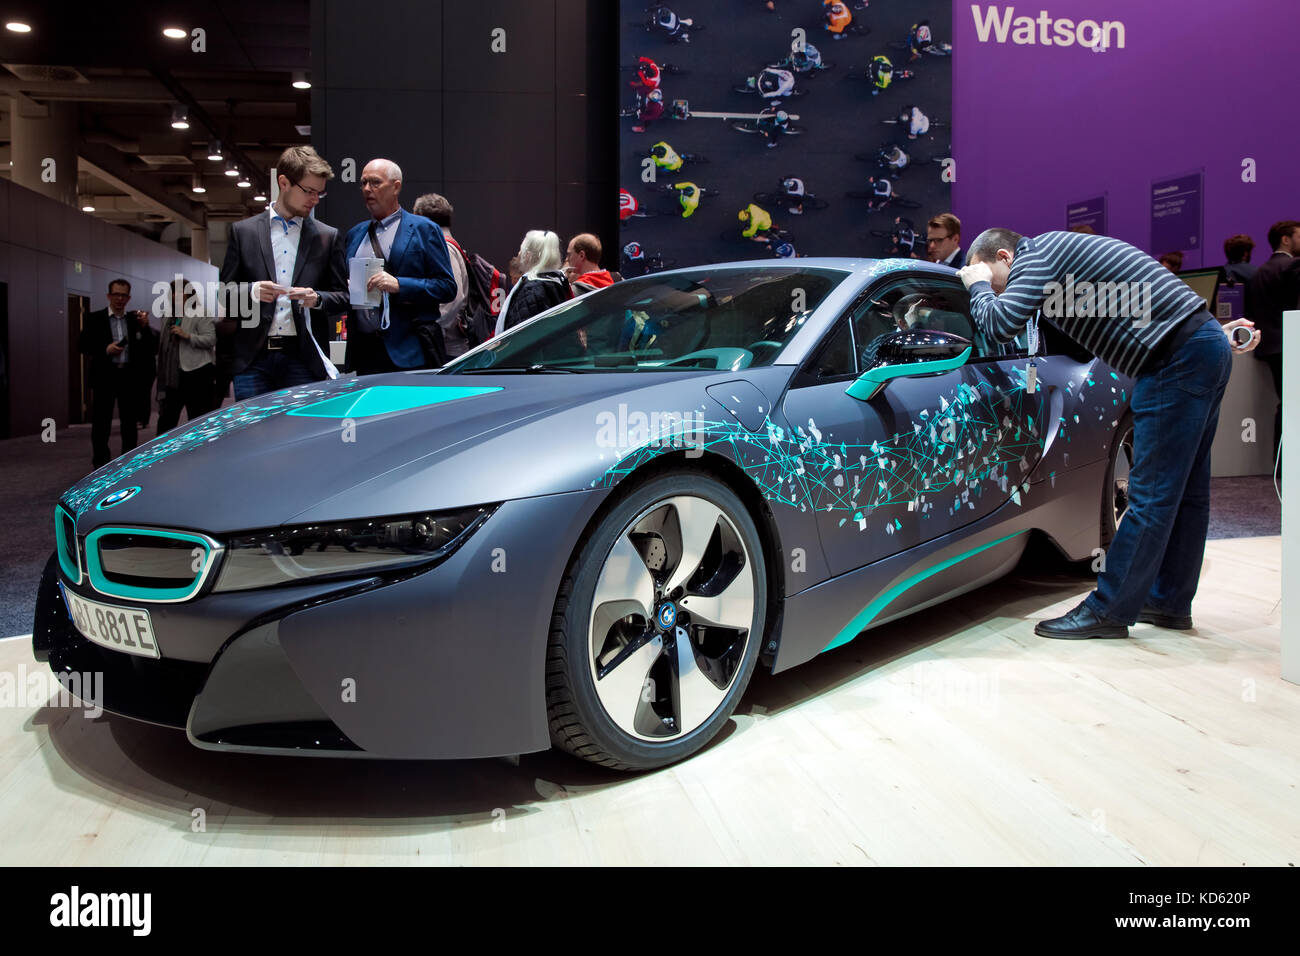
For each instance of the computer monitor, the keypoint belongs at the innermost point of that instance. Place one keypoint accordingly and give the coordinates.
(1205, 283)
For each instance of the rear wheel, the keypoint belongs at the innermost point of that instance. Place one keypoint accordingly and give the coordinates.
(657, 625)
(1114, 499)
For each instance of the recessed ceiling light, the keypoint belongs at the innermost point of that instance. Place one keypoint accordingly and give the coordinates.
(259, 198)
(214, 151)
(17, 26)
(87, 203)
(232, 169)
(175, 33)
(300, 81)
(244, 182)
(197, 185)
(180, 118)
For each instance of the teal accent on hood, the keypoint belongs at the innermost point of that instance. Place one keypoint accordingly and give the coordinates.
(382, 399)
(883, 600)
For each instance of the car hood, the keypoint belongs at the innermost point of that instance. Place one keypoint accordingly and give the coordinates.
(390, 444)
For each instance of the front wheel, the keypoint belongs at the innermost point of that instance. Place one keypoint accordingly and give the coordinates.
(657, 625)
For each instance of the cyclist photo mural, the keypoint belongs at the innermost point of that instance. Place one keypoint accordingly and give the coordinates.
(817, 127)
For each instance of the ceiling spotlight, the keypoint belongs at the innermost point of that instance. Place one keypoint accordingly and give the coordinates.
(300, 81)
(17, 26)
(214, 151)
(259, 198)
(243, 182)
(175, 33)
(197, 185)
(232, 169)
(180, 118)
(87, 203)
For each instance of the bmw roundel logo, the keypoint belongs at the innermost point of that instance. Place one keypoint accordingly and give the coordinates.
(117, 497)
(667, 615)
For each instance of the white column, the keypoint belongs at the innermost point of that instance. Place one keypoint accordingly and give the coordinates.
(1291, 506)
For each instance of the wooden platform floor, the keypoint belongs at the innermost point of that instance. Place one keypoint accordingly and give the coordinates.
(953, 737)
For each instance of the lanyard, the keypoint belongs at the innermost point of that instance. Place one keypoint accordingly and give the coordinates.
(1031, 331)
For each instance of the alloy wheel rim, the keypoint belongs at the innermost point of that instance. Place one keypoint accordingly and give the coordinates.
(670, 620)
(1123, 467)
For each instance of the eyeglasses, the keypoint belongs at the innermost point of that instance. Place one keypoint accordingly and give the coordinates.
(373, 182)
(931, 240)
(311, 193)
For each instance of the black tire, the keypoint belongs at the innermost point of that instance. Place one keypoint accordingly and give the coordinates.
(579, 722)
(1120, 446)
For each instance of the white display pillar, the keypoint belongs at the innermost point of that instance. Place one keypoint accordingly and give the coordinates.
(1291, 503)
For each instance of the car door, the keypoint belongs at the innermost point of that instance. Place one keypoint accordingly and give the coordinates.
(926, 455)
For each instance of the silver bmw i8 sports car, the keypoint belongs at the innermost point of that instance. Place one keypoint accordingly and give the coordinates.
(587, 532)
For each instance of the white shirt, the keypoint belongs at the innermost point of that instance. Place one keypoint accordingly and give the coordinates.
(285, 235)
(952, 256)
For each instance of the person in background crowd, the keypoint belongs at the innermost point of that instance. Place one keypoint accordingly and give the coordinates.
(582, 265)
(186, 359)
(439, 209)
(120, 344)
(513, 270)
(943, 240)
(1272, 290)
(1083, 229)
(295, 263)
(406, 331)
(541, 285)
(1237, 249)
(144, 380)
(1180, 357)
(1173, 261)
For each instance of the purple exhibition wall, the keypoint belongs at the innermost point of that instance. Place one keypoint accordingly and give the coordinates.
(1197, 86)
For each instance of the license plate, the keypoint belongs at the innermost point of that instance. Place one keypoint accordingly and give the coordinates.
(125, 629)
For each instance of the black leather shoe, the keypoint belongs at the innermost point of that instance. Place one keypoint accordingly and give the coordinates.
(1174, 622)
(1079, 624)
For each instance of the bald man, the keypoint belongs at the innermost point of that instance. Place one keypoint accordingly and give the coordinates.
(403, 332)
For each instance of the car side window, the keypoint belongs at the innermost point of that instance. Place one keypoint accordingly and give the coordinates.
(920, 303)
(835, 358)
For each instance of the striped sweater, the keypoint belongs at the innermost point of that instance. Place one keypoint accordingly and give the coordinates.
(1110, 297)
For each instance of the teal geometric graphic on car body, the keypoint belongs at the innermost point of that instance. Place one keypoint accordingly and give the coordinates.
(209, 428)
(980, 438)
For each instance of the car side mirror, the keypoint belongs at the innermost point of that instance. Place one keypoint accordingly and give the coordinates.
(910, 352)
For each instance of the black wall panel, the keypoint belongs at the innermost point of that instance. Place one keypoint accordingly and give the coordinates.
(517, 140)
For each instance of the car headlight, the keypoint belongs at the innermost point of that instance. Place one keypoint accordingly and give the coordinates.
(345, 549)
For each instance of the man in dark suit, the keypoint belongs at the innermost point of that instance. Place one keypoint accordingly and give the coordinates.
(943, 240)
(295, 264)
(1272, 290)
(404, 331)
(121, 346)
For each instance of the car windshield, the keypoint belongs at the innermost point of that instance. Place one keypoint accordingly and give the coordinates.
(709, 318)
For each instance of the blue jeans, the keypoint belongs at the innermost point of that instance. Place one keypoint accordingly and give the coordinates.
(271, 370)
(1155, 559)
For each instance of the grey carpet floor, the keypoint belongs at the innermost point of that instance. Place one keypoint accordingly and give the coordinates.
(34, 473)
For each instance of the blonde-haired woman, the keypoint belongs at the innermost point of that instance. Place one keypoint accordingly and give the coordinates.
(541, 285)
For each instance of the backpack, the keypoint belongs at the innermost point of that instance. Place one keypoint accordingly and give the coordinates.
(484, 294)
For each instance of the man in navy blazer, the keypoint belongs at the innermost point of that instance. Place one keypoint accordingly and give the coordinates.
(416, 280)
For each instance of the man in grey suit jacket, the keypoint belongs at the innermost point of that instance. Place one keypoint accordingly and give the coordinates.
(295, 264)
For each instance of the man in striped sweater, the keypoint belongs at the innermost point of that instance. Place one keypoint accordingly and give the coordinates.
(1135, 315)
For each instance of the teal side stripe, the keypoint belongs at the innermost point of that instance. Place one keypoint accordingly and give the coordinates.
(382, 399)
(868, 613)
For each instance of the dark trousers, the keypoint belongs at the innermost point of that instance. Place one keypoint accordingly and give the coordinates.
(194, 394)
(144, 399)
(272, 369)
(1158, 550)
(121, 388)
(367, 354)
